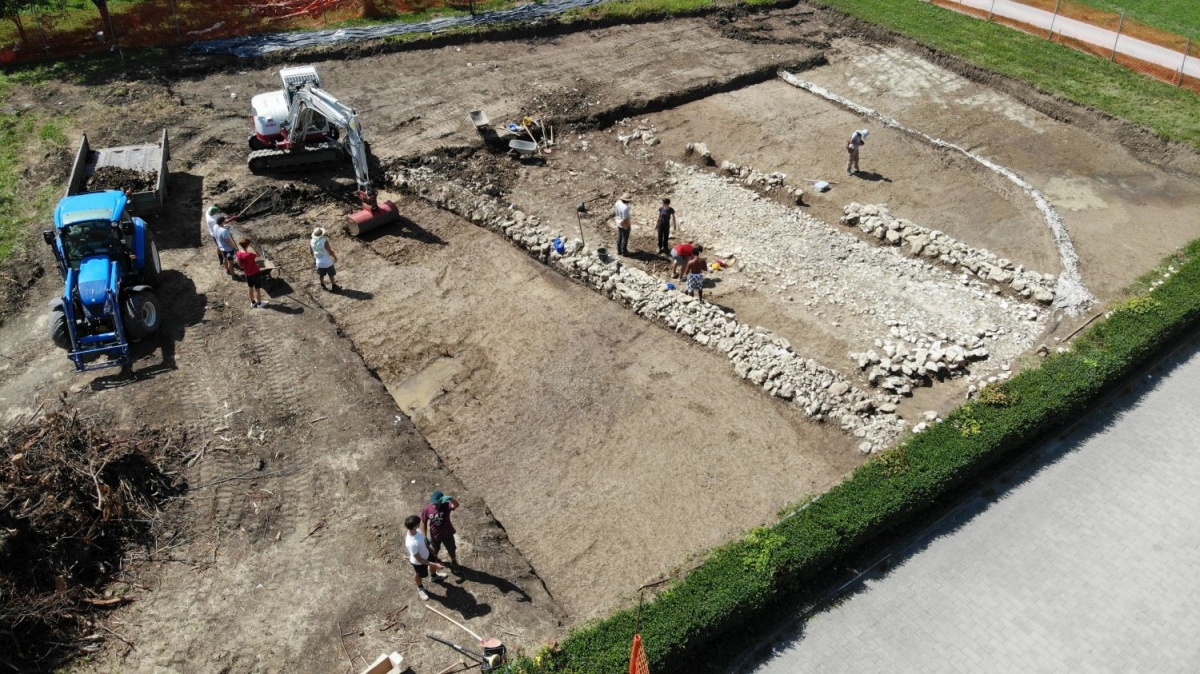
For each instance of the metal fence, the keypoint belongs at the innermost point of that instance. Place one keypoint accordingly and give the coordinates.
(1160, 54)
(71, 30)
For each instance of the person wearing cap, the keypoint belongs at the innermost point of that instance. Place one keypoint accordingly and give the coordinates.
(418, 555)
(437, 527)
(624, 223)
(857, 140)
(325, 258)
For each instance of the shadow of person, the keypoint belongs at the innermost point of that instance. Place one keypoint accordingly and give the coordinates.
(643, 256)
(460, 600)
(353, 294)
(872, 177)
(468, 575)
(283, 308)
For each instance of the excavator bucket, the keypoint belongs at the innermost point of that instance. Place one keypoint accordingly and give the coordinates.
(369, 217)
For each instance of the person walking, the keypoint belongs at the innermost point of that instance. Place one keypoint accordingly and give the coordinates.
(418, 555)
(248, 259)
(624, 223)
(694, 271)
(325, 258)
(225, 244)
(438, 529)
(680, 255)
(666, 219)
(857, 140)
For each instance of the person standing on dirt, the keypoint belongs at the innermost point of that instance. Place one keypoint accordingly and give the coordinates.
(248, 259)
(437, 527)
(680, 255)
(225, 244)
(666, 219)
(418, 555)
(694, 271)
(857, 140)
(210, 220)
(325, 258)
(624, 223)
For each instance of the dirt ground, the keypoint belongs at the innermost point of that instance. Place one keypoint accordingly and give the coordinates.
(593, 451)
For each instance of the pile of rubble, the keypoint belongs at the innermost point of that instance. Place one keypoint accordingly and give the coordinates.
(915, 359)
(756, 354)
(765, 182)
(876, 220)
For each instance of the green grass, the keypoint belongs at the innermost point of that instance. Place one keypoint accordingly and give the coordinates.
(24, 135)
(1169, 111)
(1177, 16)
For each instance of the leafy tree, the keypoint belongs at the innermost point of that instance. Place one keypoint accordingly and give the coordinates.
(11, 10)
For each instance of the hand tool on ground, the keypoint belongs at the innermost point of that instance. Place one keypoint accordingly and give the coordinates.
(254, 201)
(456, 623)
(491, 659)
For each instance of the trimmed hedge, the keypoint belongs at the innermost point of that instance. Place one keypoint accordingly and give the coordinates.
(742, 577)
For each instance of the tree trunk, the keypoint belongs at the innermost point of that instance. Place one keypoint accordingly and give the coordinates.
(110, 35)
(16, 18)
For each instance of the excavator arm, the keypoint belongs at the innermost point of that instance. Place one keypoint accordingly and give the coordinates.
(309, 99)
(305, 98)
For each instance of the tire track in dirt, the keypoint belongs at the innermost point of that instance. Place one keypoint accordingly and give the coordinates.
(540, 396)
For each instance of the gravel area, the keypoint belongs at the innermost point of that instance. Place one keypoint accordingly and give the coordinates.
(866, 291)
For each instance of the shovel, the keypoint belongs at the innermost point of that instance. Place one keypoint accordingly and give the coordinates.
(255, 201)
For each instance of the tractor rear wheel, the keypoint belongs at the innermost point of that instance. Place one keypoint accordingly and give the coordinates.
(58, 328)
(142, 315)
(153, 267)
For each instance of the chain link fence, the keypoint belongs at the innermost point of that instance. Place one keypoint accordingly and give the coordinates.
(1117, 37)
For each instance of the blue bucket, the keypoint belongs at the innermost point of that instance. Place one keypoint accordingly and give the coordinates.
(560, 246)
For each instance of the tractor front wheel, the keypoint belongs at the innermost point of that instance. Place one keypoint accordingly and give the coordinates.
(58, 329)
(142, 315)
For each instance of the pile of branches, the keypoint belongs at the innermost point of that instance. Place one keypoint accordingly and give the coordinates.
(75, 495)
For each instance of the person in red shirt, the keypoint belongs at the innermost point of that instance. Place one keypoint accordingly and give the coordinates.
(248, 259)
(680, 255)
(437, 527)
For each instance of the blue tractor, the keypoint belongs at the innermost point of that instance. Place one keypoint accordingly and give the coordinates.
(110, 266)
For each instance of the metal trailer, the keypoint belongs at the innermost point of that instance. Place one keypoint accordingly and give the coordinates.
(147, 158)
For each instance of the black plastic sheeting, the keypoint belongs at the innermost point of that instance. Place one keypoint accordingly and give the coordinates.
(249, 46)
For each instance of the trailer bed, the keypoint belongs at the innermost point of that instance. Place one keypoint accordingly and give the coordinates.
(147, 158)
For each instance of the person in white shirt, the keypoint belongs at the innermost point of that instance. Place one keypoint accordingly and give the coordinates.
(857, 140)
(210, 220)
(418, 555)
(624, 223)
(325, 258)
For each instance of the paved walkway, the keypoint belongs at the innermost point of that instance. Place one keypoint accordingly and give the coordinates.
(1092, 34)
(1088, 561)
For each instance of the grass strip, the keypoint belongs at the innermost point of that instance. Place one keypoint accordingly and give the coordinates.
(742, 578)
(24, 134)
(1170, 111)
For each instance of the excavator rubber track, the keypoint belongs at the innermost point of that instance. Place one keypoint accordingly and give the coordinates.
(309, 157)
